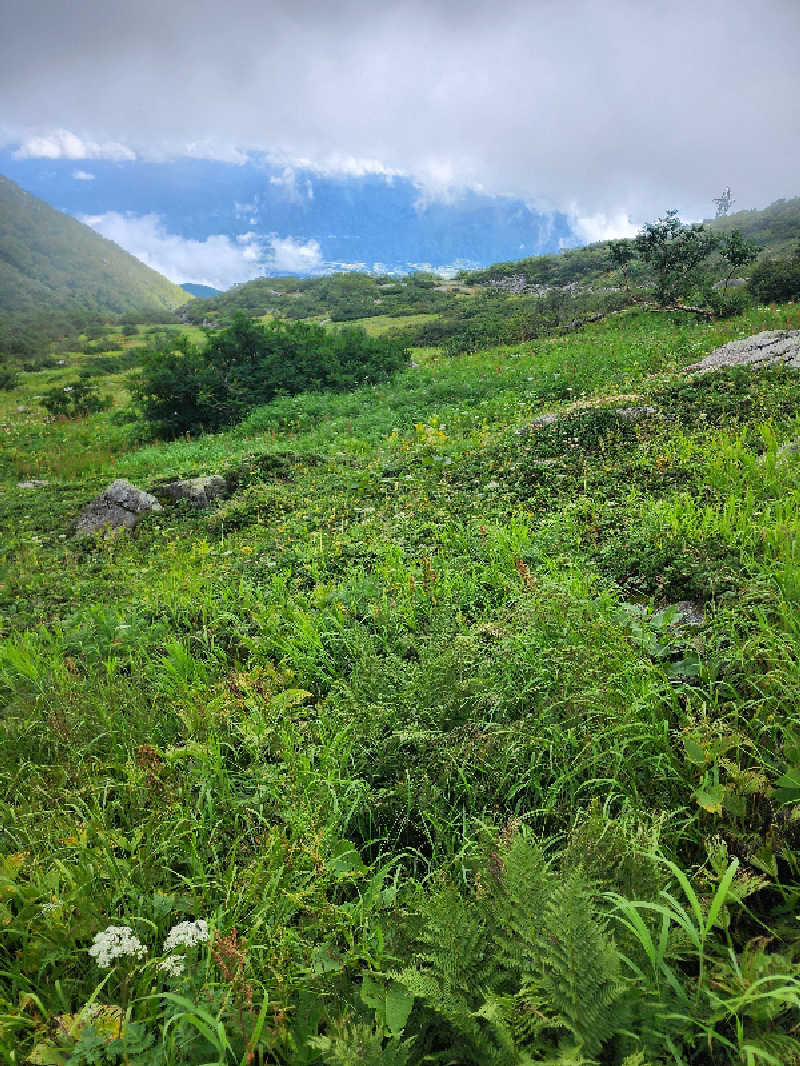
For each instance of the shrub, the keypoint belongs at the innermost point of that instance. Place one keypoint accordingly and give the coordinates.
(185, 387)
(76, 400)
(777, 280)
(8, 379)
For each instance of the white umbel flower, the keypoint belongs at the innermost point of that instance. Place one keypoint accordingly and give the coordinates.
(186, 935)
(173, 966)
(116, 942)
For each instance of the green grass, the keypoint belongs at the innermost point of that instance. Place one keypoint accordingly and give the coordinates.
(378, 325)
(405, 717)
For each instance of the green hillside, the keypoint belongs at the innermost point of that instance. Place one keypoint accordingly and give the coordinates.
(776, 228)
(50, 262)
(340, 297)
(465, 730)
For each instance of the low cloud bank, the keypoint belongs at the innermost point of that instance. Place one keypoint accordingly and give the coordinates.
(217, 261)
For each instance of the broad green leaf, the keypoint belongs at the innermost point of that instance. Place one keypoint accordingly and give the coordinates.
(373, 994)
(345, 859)
(399, 1002)
(694, 753)
(787, 787)
(710, 799)
(734, 803)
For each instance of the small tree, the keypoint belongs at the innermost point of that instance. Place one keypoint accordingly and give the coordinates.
(675, 254)
(737, 251)
(672, 260)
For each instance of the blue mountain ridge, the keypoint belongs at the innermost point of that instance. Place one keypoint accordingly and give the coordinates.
(369, 222)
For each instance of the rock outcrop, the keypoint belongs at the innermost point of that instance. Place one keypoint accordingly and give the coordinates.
(120, 506)
(200, 491)
(762, 349)
(626, 414)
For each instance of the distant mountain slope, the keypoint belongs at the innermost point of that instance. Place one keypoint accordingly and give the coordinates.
(51, 262)
(776, 228)
(203, 292)
(340, 297)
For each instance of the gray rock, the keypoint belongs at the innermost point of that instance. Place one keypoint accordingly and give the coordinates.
(762, 349)
(120, 506)
(537, 423)
(201, 491)
(688, 613)
(629, 414)
(791, 447)
(633, 414)
(35, 483)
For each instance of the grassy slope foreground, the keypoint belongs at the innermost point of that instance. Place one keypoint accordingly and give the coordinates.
(51, 262)
(405, 722)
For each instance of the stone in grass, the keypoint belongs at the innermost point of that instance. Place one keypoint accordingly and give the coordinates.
(200, 491)
(688, 613)
(633, 414)
(628, 414)
(772, 346)
(537, 423)
(35, 483)
(120, 506)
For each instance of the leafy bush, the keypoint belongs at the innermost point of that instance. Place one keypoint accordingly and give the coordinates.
(76, 400)
(8, 379)
(184, 387)
(777, 280)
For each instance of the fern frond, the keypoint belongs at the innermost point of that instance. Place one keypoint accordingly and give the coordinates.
(581, 966)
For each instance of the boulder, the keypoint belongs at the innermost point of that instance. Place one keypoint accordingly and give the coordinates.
(762, 349)
(120, 506)
(627, 414)
(35, 483)
(200, 491)
(633, 414)
(688, 613)
(537, 423)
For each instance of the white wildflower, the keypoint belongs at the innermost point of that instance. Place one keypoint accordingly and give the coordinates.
(173, 966)
(186, 934)
(114, 943)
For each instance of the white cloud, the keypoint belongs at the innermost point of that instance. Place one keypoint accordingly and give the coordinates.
(216, 261)
(602, 227)
(62, 144)
(296, 256)
(336, 165)
(82, 175)
(627, 108)
(296, 193)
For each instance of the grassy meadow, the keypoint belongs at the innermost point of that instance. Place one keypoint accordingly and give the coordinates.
(411, 721)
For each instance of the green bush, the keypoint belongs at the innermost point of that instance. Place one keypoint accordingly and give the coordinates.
(8, 379)
(185, 387)
(777, 280)
(76, 400)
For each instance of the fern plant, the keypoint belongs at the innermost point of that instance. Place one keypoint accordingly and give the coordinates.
(528, 972)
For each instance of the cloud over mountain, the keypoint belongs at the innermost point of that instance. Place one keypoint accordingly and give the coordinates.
(629, 106)
(218, 260)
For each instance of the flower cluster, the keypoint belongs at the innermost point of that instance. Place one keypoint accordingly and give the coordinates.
(186, 934)
(116, 942)
(173, 966)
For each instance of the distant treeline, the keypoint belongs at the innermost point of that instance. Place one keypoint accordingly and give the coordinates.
(339, 297)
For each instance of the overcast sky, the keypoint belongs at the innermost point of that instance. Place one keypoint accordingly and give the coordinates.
(607, 109)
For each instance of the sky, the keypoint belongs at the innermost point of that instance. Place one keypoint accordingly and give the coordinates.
(591, 116)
